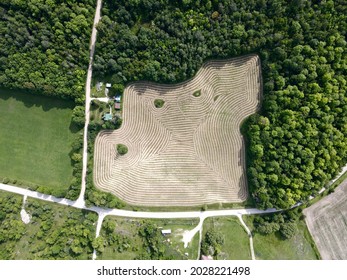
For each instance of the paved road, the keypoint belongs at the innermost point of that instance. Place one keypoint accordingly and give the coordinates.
(80, 200)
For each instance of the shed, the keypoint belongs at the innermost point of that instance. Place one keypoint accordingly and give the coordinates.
(165, 231)
(107, 117)
(117, 106)
(108, 85)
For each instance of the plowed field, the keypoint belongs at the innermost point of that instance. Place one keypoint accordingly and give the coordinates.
(188, 152)
(327, 223)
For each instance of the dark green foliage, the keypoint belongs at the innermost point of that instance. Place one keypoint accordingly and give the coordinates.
(197, 93)
(158, 103)
(96, 197)
(11, 227)
(298, 141)
(212, 243)
(61, 234)
(5, 180)
(122, 149)
(78, 116)
(288, 230)
(268, 227)
(54, 232)
(284, 223)
(44, 45)
(117, 89)
(156, 247)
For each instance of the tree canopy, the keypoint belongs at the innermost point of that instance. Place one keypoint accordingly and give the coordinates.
(297, 142)
(44, 45)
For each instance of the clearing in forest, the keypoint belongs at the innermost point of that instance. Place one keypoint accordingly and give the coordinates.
(327, 223)
(184, 142)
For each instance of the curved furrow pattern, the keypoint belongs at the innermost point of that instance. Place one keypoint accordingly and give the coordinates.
(188, 152)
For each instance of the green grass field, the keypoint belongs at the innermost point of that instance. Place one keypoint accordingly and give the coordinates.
(35, 139)
(273, 247)
(236, 241)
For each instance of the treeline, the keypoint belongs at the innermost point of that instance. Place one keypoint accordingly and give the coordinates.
(94, 196)
(44, 45)
(297, 143)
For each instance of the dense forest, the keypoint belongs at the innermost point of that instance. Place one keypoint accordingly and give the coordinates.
(44, 45)
(297, 142)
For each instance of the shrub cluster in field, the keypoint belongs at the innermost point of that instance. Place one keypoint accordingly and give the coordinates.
(284, 223)
(122, 149)
(298, 141)
(212, 243)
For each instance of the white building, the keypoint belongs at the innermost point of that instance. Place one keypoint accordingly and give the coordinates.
(165, 231)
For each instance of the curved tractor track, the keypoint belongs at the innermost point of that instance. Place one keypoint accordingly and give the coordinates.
(188, 152)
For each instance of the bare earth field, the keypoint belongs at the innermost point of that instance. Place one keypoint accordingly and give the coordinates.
(327, 223)
(188, 152)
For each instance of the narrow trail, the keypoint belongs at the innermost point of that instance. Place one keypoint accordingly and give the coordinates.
(80, 200)
(249, 235)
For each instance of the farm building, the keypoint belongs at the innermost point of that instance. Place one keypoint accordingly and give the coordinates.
(107, 117)
(165, 231)
(117, 106)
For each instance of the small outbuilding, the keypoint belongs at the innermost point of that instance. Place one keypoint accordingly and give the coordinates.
(166, 231)
(108, 85)
(117, 106)
(107, 117)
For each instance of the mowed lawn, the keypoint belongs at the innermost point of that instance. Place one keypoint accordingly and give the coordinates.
(35, 139)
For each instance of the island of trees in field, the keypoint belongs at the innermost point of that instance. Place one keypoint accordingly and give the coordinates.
(296, 143)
